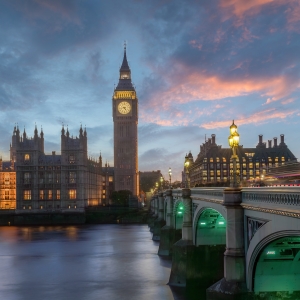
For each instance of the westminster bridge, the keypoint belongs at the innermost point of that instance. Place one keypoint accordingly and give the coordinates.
(235, 242)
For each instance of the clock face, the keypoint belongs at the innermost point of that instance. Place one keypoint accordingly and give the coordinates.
(124, 107)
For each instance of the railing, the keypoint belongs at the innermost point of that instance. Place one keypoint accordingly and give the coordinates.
(277, 196)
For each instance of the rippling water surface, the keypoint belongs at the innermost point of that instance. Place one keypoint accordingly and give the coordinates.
(82, 262)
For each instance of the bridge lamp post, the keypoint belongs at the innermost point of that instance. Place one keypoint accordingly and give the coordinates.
(233, 141)
(161, 182)
(186, 165)
(170, 176)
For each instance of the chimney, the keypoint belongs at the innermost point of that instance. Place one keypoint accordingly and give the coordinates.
(213, 139)
(260, 137)
(282, 139)
(275, 141)
(270, 143)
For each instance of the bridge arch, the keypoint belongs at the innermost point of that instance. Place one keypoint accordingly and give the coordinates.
(178, 213)
(275, 234)
(209, 227)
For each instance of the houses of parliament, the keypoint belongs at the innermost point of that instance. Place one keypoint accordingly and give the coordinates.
(70, 180)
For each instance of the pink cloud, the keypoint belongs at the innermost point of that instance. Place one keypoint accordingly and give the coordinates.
(198, 86)
(259, 117)
(240, 7)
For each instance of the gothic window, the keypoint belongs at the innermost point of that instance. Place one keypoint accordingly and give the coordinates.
(72, 194)
(244, 166)
(276, 159)
(218, 159)
(57, 177)
(6, 195)
(224, 160)
(42, 195)
(6, 180)
(72, 177)
(211, 160)
(27, 194)
(26, 157)
(50, 194)
(71, 158)
(251, 165)
(27, 177)
(257, 165)
(58, 194)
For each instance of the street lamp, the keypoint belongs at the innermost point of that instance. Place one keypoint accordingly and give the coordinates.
(161, 182)
(170, 176)
(233, 141)
(156, 184)
(186, 165)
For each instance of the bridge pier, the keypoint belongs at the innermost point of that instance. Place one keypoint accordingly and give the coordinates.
(168, 235)
(159, 222)
(183, 258)
(155, 213)
(233, 285)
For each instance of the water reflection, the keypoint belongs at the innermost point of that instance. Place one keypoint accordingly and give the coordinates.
(83, 262)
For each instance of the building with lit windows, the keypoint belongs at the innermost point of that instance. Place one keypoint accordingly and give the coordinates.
(69, 180)
(213, 163)
(7, 185)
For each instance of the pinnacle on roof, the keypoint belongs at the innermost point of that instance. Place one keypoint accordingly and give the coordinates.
(125, 66)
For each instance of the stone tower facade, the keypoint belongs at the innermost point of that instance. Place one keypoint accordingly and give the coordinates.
(125, 117)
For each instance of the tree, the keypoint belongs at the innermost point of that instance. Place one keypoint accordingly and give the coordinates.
(121, 198)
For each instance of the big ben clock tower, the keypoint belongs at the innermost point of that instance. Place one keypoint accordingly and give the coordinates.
(125, 116)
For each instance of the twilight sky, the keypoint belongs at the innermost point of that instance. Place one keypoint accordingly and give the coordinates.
(196, 66)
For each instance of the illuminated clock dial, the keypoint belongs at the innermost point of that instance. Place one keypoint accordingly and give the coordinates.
(124, 107)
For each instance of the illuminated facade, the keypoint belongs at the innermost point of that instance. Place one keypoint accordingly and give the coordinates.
(125, 117)
(213, 163)
(7, 185)
(55, 182)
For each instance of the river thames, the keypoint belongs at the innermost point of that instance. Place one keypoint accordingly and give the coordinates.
(83, 262)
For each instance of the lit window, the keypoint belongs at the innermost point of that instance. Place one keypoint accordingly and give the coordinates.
(42, 194)
(72, 194)
(276, 159)
(27, 194)
(7, 180)
(282, 158)
(257, 165)
(29, 207)
(58, 194)
(211, 160)
(110, 178)
(6, 195)
(224, 159)
(50, 194)
(251, 165)
(41, 207)
(218, 159)
(26, 157)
